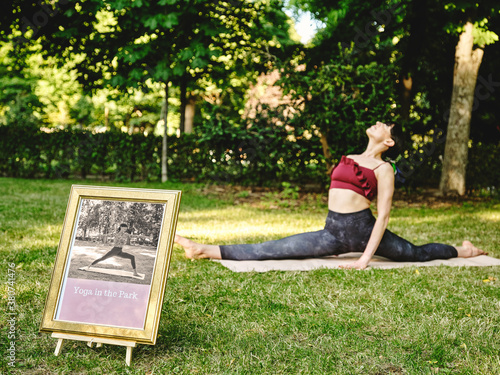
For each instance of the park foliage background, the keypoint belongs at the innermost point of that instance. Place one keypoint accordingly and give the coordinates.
(83, 88)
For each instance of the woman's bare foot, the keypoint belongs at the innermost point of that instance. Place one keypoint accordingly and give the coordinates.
(195, 250)
(468, 250)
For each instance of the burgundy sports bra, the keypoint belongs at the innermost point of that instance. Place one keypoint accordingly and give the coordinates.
(350, 175)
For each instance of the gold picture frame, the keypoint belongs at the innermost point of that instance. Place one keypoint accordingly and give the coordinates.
(112, 264)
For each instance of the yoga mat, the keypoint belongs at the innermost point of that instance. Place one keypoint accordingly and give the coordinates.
(335, 262)
(115, 272)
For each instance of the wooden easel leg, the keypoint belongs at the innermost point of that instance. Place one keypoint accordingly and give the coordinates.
(58, 347)
(91, 342)
(95, 340)
(128, 358)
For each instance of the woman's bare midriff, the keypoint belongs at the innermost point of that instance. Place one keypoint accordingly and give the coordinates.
(346, 201)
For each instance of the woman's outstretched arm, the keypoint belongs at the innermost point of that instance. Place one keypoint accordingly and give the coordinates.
(385, 179)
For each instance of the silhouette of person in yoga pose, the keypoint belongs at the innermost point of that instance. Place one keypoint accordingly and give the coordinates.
(122, 237)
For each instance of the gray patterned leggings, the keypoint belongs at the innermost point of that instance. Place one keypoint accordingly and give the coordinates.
(343, 233)
(116, 252)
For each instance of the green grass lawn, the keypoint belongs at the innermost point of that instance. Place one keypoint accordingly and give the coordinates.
(428, 320)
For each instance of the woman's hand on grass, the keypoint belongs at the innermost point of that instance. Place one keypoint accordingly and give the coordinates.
(360, 264)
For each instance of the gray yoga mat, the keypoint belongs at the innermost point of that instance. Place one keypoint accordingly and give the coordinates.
(335, 262)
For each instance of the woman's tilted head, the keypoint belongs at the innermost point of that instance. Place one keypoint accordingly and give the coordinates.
(387, 136)
(123, 225)
(397, 136)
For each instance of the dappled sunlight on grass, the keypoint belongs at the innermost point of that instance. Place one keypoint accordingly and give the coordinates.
(31, 236)
(245, 224)
(436, 217)
(415, 220)
(449, 225)
(493, 216)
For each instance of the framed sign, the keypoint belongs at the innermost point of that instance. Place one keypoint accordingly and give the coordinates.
(112, 263)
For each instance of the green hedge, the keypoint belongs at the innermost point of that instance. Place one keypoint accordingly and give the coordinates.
(227, 154)
(30, 153)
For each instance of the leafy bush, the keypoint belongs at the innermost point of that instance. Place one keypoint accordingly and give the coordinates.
(337, 101)
(483, 168)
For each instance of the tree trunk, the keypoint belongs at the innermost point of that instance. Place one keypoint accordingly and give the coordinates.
(182, 125)
(326, 150)
(190, 112)
(467, 62)
(406, 96)
(164, 175)
(106, 116)
(417, 20)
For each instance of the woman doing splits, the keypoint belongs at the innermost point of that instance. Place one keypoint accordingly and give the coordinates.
(350, 225)
(121, 239)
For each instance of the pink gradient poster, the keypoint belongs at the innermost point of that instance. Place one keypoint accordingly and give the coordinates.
(104, 302)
